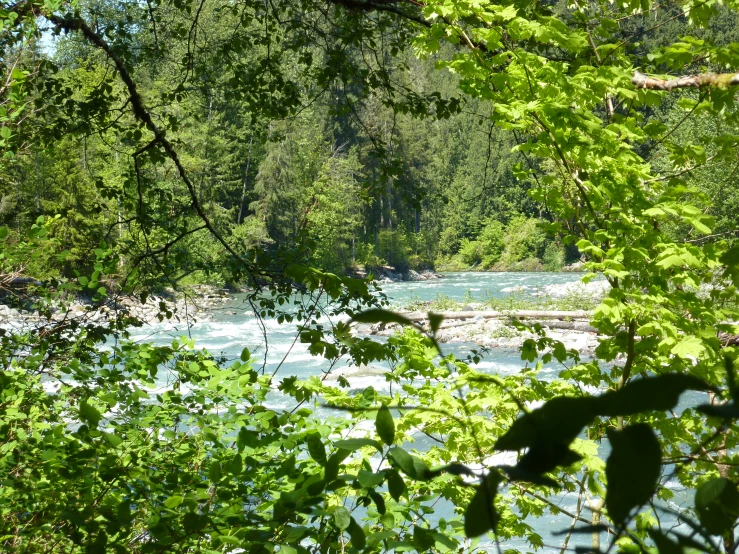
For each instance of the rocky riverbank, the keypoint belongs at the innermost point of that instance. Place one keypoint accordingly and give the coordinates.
(389, 274)
(501, 334)
(498, 330)
(194, 304)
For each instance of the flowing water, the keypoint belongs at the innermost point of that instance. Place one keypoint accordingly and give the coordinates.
(234, 326)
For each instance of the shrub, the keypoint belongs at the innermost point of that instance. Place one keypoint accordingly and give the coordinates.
(524, 239)
(492, 240)
(470, 252)
(554, 256)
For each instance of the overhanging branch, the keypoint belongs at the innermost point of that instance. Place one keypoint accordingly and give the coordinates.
(702, 80)
(383, 6)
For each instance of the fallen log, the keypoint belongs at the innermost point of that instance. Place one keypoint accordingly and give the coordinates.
(512, 314)
(583, 326)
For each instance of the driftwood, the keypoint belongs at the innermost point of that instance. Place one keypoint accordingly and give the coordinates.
(728, 340)
(551, 323)
(512, 314)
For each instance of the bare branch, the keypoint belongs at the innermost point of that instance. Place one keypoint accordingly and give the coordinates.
(702, 80)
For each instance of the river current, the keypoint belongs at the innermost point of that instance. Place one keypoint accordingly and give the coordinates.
(233, 326)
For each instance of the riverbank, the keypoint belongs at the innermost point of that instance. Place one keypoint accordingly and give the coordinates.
(193, 304)
(471, 327)
(562, 309)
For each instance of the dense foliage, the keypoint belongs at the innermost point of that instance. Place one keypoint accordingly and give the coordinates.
(264, 143)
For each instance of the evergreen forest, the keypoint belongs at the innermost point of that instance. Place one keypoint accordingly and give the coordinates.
(291, 152)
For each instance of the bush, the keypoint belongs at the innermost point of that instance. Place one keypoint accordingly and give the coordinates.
(470, 252)
(524, 239)
(492, 240)
(554, 256)
(365, 255)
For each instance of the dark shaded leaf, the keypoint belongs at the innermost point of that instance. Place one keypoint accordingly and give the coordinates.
(717, 504)
(355, 444)
(379, 502)
(544, 457)
(664, 544)
(559, 421)
(481, 515)
(435, 321)
(642, 395)
(385, 425)
(584, 529)
(378, 315)
(423, 538)
(331, 470)
(359, 540)
(632, 469)
(316, 449)
(723, 411)
(517, 474)
(395, 484)
(454, 469)
(89, 414)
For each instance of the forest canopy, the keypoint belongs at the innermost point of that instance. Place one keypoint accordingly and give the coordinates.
(279, 148)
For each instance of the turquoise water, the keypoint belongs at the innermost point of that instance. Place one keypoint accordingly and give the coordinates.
(233, 327)
(458, 286)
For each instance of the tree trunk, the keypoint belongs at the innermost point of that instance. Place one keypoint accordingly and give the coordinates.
(240, 219)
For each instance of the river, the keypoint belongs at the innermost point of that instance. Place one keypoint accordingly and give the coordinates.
(233, 326)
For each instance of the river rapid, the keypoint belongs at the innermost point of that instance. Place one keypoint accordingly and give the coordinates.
(232, 326)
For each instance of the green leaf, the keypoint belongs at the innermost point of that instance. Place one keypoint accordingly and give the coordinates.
(378, 315)
(331, 470)
(395, 484)
(717, 504)
(173, 502)
(558, 421)
(356, 533)
(385, 425)
(370, 480)
(113, 440)
(89, 414)
(403, 460)
(245, 355)
(316, 449)
(342, 517)
(435, 321)
(664, 544)
(632, 469)
(353, 445)
(379, 502)
(642, 395)
(376, 537)
(481, 515)
(409, 464)
(724, 411)
(689, 347)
